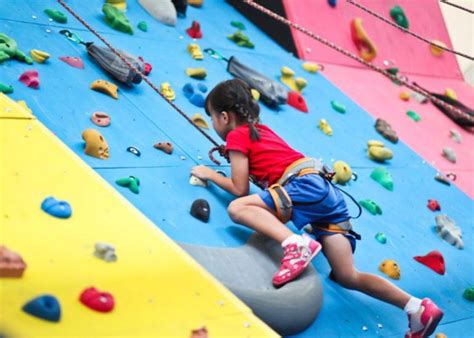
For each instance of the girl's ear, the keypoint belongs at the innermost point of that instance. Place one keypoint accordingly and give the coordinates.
(225, 116)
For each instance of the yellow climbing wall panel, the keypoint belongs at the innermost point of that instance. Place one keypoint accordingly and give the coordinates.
(159, 290)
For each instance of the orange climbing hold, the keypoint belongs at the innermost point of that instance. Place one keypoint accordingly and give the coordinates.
(11, 263)
(96, 145)
(366, 47)
(404, 96)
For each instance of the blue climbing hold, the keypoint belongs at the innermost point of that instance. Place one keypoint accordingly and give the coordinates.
(193, 96)
(188, 90)
(202, 87)
(332, 3)
(56, 208)
(44, 307)
(134, 150)
(198, 100)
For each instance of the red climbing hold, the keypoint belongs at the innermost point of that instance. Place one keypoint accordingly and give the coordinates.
(30, 79)
(195, 30)
(433, 205)
(72, 61)
(148, 66)
(98, 301)
(297, 101)
(434, 260)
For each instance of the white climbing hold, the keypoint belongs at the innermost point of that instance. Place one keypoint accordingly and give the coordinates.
(455, 136)
(447, 229)
(365, 328)
(380, 326)
(193, 180)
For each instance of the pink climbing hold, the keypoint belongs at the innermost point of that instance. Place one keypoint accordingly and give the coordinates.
(30, 79)
(195, 30)
(297, 101)
(434, 260)
(433, 205)
(98, 301)
(148, 66)
(73, 61)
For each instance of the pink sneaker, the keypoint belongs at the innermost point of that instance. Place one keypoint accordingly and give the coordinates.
(295, 260)
(423, 323)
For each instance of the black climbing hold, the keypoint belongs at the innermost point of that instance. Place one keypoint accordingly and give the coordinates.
(134, 151)
(201, 210)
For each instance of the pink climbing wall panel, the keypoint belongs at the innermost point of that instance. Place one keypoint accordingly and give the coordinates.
(380, 98)
(408, 53)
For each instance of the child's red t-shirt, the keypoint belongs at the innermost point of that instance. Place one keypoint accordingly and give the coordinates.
(268, 157)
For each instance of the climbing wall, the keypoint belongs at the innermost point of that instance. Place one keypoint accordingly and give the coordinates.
(141, 118)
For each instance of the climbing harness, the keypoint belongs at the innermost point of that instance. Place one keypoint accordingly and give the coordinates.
(457, 6)
(378, 16)
(387, 74)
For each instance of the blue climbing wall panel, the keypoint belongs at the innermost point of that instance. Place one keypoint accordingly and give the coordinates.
(141, 118)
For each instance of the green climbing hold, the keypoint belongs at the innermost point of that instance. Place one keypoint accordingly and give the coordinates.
(469, 294)
(56, 15)
(398, 15)
(131, 182)
(238, 25)
(116, 19)
(9, 50)
(5, 89)
(382, 176)
(414, 116)
(340, 108)
(381, 238)
(371, 207)
(142, 25)
(241, 39)
(393, 70)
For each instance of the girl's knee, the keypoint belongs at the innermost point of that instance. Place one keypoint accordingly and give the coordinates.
(347, 279)
(234, 209)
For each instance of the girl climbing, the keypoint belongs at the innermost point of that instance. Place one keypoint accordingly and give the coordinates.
(294, 188)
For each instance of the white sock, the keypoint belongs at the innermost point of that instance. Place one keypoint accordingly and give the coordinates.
(292, 239)
(413, 305)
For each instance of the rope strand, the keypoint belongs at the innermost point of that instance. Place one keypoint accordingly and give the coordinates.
(457, 6)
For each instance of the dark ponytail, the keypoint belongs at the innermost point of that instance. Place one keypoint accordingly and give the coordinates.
(235, 96)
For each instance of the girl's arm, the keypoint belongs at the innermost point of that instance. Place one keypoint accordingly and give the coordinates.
(238, 184)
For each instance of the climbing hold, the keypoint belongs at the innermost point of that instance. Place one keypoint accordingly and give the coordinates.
(195, 3)
(30, 79)
(442, 179)
(440, 335)
(196, 181)
(105, 251)
(11, 263)
(237, 24)
(371, 207)
(193, 96)
(385, 129)
(241, 39)
(202, 87)
(5, 89)
(196, 73)
(404, 96)
(163, 11)
(469, 294)
(288, 78)
(98, 301)
(312, 67)
(434, 260)
(297, 101)
(166, 147)
(390, 268)
(436, 48)
(147, 66)
(414, 116)
(199, 333)
(134, 150)
(455, 136)
(73, 61)
(56, 208)
(56, 15)
(449, 154)
(100, 119)
(198, 100)
(381, 238)
(383, 177)
(378, 152)
(325, 127)
(195, 51)
(96, 145)
(398, 15)
(447, 229)
(120, 4)
(9, 50)
(255, 94)
(181, 6)
(201, 210)
(199, 121)
(142, 25)
(339, 107)
(130, 182)
(420, 98)
(39, 56)
(195, 30)
(44, 307)
(343, 172)
(167, 91)
(364, 45)
(451, 94)
(105, 87)
(332, 3)
(375, 143)
(116, 19)
(433, 205)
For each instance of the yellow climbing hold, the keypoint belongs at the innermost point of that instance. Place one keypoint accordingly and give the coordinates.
(311, 67)
(325, 127)
(255, 94)
(390, 268)
(363, 43)
(450, 93)
(404, 96)
(39, 56)
(440, 335)
(436, 48)
(167, 91)
(105, 87)
(96, 145)
(195, 51)
(374, 143)
(199, 121)
(120, 4)
(343, 172)
(196, 73)
(288, 78)
(195, 3)
(378, 152)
